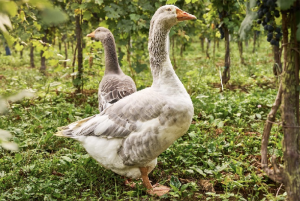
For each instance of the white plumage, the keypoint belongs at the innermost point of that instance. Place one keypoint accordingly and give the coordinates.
(128, 136)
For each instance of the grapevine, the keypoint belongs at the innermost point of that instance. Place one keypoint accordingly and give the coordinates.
(267, 12)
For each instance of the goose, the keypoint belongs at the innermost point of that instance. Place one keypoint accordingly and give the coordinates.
(128, 136)
(114, 85)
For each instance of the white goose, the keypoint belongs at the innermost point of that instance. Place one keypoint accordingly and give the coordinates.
(128, 136)
(114, 85)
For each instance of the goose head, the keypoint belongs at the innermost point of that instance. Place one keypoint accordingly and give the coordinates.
(169, 15)
(162, 21)
(100, 33)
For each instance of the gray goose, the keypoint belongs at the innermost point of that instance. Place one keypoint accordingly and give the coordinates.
(114, 85)
(128, 136)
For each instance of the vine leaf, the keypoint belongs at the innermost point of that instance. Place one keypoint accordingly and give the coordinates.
(111, 13)
(99, 2)
(19, 47)
(285, 4)
(87, 15)
(138, 67)
(174, 181)
(54, 16)
(134, 17)
(171, 1)
(8, 7)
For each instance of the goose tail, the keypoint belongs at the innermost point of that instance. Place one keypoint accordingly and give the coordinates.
(79, 128)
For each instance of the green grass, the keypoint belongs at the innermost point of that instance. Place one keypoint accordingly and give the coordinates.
(222, 145)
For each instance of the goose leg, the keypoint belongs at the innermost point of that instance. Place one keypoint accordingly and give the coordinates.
(157, 189)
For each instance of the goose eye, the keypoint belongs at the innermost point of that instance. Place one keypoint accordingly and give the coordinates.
(168, 9)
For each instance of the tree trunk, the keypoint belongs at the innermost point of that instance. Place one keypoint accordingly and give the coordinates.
(214, 48)
(289, 110)
(31, 56)
(254, 42)
(240, 46)
(120, 54)
(91, 58)
(277, 67)
(226, 71)
(202, 44)
(43, 63)
(74, 60)
(296, 54)
(181, 49)
(66, 54)
(21, 54)
(257, 38)
(59, 46)
(290, 174)
(72, 46)
(78, 81)
(218, 43)
(119, 51)
(207, 48)
(43, 59)
(53, 31)
(275, 172)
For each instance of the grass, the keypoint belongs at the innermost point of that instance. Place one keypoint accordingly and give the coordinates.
(218, 158)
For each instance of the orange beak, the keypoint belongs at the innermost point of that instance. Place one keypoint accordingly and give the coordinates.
(181, 15)
(92, 35)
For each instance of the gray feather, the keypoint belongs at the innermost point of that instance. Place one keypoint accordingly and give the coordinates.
(114, 85)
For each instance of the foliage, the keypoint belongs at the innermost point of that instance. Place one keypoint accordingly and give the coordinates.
(231, 13)
(5, 135)
(5, 9)
(49, 14)
(285, 4)
(221, 146)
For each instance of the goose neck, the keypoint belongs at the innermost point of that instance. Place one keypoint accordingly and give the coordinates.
(164, 78)
(159, 50)
(111, 59)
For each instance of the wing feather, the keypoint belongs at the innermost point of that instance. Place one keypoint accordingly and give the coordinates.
(113, 88)
(121, 119)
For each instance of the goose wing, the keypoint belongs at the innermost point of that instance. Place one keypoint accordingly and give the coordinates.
(126, 116)
(113, 88)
